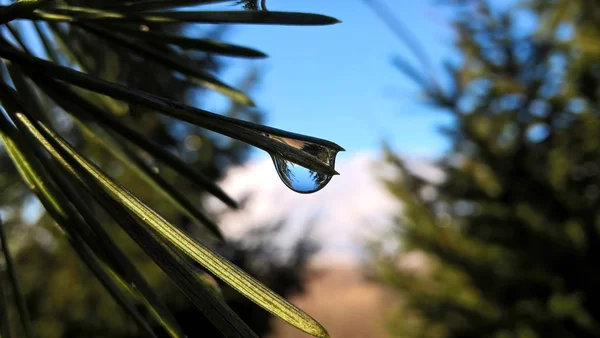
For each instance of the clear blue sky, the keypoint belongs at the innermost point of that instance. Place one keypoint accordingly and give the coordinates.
(337, 82)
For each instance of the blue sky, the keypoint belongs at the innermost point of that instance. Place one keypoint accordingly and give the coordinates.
(337, 82)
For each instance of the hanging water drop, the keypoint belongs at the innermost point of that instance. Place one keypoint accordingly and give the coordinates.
(301, 179)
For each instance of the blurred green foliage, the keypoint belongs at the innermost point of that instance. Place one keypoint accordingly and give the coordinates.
(507, 244)
(64, 298)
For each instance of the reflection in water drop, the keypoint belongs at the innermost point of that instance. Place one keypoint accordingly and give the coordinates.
(299, 178)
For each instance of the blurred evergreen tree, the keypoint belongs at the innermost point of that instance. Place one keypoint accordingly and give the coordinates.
(507, 244)
(64, 298)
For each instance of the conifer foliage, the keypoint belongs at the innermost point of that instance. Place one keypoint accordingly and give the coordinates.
(510, 238)
(83, 59)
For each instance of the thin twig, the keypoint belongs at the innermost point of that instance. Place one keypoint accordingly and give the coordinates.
(10, 268)
(401, 32)
(4, 323)
(384, 13)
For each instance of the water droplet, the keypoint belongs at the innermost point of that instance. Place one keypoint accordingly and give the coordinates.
(299, 178)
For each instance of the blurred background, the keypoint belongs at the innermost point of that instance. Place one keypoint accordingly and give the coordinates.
(467, 204)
